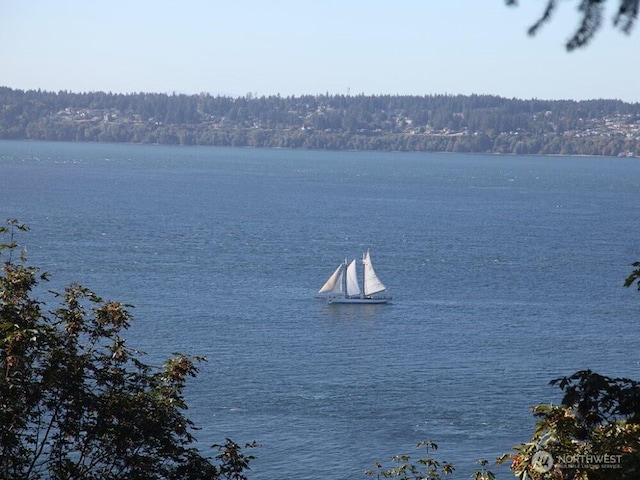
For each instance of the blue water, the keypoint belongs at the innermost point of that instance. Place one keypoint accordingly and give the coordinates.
(506, 272)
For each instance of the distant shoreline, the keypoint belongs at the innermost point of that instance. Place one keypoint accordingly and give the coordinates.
(436, 123)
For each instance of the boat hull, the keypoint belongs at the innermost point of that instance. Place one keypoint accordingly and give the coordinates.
(360, 300)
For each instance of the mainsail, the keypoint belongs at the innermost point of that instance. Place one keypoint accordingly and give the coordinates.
(372, 283)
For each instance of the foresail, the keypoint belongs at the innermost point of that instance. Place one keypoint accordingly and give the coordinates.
(331, 283)
(338, 289)
(372, 283)
(353, 288)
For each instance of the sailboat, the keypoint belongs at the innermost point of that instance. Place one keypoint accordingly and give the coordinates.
(343, 285)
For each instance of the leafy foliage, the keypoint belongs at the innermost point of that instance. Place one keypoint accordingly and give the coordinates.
(598, 399)
(592, 12)
(483, 473)
(405, 469)
(634, 277)
(77, 403)
(594, 434)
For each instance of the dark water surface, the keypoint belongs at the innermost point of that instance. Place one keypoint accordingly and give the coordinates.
(506, 273)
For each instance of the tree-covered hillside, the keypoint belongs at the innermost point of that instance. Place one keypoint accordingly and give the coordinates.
(436, 123)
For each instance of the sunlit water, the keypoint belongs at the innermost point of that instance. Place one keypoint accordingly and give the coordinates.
(506, 272)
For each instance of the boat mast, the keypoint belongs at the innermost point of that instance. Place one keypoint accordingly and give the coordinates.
(364, 277)
(344, 279)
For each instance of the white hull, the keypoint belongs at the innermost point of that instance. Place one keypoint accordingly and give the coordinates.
(374, 300)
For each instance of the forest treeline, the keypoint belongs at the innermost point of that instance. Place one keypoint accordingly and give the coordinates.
(434, 123)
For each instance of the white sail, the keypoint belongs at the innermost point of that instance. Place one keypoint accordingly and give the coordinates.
(338, 287)
(331, 283)
(372, 283)
(353, 288)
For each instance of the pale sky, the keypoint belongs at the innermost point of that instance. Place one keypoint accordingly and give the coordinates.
(286, 47)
